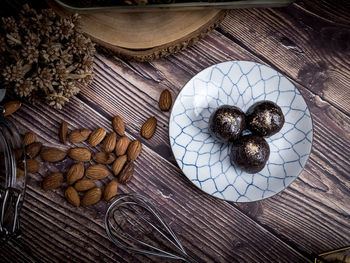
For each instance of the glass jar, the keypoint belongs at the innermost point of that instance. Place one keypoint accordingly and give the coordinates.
(13, 177)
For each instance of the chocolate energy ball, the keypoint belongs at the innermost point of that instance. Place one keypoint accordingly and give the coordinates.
(250, 153)
(227, 123)
(265, 118)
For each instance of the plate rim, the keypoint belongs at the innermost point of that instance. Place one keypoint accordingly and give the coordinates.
(235, 61)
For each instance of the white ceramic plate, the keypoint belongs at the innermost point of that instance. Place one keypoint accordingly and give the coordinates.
(206, 162)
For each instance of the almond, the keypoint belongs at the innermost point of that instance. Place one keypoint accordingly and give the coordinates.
(11, 107)
(52, 155)
(134, 150)
(165, 100)
(72, 196)
(111, 190)
(118, 125)
(149, 127)
(33, 149)
(32, 166)
(97, 136)
(79, 135)
(119, 164)
(104, 158)
(62, 134)
(80, 154)
(52, 181)
(91, 197)
(122, 145)
(75, 172)
(84, 185)
(127, 173)
(97, 172)
(28, 138)
(109, 142)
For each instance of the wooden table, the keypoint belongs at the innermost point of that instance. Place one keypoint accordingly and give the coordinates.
(310, 43)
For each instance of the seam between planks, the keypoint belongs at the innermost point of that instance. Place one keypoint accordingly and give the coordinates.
(267, 61)
(301, 253)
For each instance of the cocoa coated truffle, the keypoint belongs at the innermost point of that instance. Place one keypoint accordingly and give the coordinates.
(250, 153)
(226, 123)
(264, 118)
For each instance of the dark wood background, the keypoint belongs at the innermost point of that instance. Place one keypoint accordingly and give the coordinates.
(309, 42)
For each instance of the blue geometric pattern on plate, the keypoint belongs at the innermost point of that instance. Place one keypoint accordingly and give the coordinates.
(206, 162)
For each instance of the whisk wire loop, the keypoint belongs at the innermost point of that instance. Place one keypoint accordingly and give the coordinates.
(140, 213)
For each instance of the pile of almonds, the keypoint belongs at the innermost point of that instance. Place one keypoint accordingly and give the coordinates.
(79, 178)
(122, 162)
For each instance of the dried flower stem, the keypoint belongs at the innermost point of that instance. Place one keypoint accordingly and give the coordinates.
(43, 56)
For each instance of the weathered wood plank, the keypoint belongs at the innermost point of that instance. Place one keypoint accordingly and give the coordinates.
(328, 115)
(71, 114)
(336, 138)
(74, 241)
(14, 253)
(311, 49)
(193, 210)
(335, 12)
(318, 201)
(311, 216)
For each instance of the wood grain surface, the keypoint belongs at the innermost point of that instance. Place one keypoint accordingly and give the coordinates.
(309, 217)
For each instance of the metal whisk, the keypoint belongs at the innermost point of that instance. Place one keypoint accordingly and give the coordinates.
(134, 224)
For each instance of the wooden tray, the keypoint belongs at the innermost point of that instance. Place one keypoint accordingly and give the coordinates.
(147, 36)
